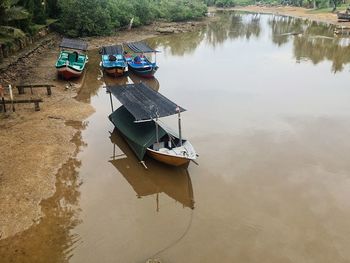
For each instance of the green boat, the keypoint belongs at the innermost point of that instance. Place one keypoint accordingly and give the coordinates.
(72, 58)
(139, 120)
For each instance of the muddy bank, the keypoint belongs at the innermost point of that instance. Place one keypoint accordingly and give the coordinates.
(143, 32)
(298, 12)
(35, 145)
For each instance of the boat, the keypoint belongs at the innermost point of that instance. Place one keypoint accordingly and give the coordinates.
(139, 120)
(72, 58)
(344, 16)
(158, 180)
(138, 62)
(113, 61)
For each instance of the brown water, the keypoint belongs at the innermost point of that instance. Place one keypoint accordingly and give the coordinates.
(269, 114)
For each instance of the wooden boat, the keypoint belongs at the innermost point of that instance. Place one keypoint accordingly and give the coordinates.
(138, 62)
(113, 61)
(343, 16)
(175, 182)
(138, 119)
(71, 60)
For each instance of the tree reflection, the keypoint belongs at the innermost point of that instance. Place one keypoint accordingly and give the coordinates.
(311, 40)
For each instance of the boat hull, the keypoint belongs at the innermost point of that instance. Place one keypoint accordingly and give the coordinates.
(68, 73)
(168, 159)
(115, 72)
(145, 73)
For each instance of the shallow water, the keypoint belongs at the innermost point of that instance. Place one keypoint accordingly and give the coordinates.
(268, 112)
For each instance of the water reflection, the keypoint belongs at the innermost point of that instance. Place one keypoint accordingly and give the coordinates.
(151, 82)
(51, 240)
(311, 41)
(174, 182)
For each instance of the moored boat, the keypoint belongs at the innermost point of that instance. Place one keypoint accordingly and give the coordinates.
(344, 16)
(72, 58)
(138, 119)
(113, 61)
(139, 63)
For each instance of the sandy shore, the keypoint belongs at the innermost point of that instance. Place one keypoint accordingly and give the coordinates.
(35, 145)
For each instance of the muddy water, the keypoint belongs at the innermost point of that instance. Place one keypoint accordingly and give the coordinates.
(269, 114)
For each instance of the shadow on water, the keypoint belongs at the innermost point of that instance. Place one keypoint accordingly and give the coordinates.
(51, 240)
(158, 178)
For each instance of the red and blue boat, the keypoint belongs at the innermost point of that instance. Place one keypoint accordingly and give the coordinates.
(139, 62)
(113, 61)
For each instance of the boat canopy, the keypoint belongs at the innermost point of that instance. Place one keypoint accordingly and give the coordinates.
(141, 47)
(139, 136)
(74, 44)
(112, 50)
(144, 103)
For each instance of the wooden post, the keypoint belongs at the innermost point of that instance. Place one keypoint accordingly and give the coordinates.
(48, 90)
(11, 97)
(20, 90)
(2, 92)
(36, 106)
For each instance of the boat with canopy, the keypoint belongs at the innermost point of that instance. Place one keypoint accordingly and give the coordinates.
(72, 58)
(157, 181)
(139, 63)
(113, 61)
(139, 120)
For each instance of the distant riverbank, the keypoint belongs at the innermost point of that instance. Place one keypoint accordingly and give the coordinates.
(298, 12)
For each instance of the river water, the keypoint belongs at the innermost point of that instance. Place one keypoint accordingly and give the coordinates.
(268, 113)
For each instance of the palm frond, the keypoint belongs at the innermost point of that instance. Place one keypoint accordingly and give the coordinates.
(16, 13)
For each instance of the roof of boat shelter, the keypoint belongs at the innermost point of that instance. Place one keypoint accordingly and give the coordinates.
(112, 50)
(74, 44)
(144, 103)
(140, 47)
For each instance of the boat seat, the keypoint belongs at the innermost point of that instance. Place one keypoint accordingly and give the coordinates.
(157, 146)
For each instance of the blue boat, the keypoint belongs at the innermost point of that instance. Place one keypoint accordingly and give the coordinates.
(138, 62)
(113, 61)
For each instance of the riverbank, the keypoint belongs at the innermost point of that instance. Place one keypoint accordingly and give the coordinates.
(297, 12)
(35, 145)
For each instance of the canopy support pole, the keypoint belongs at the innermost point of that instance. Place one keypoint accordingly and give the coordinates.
(110, 98)
(157, 133)
(179, 120)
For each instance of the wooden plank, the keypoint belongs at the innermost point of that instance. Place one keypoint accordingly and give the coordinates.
(31, 86)
(35, 101)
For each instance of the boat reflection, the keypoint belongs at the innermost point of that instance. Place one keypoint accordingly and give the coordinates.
(151, 82)
(110, 80)
(158, 178)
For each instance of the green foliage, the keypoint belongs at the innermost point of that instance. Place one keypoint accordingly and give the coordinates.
(225, 3)
(84, 18)
(181, 10)
(96, 17)
(100, 17)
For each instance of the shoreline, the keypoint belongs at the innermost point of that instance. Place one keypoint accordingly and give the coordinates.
(291, 11)
(36, 145)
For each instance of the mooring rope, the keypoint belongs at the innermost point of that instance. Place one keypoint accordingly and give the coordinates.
(175, 241)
